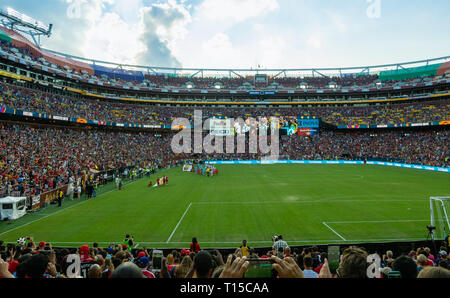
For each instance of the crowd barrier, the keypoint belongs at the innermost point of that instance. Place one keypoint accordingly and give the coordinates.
(40, 201)
(349, 162)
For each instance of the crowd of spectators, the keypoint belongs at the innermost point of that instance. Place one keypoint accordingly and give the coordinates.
(422, 148)
(166, 80)
(31, 259)
(100, 110)
(35, 159)
(324, 82)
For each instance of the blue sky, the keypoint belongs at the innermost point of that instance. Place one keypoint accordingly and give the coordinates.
(245, 33)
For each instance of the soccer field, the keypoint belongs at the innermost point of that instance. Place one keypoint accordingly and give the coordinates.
(307, 204)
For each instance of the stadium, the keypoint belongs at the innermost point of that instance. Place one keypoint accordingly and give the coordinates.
(354, 157)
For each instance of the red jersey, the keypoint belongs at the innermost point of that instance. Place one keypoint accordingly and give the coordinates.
(196, 248)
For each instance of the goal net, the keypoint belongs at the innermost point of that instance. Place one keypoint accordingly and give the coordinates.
(440, 211)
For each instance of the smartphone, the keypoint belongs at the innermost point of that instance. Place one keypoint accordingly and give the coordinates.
(157, 257)
(259, 268)
(333, 257)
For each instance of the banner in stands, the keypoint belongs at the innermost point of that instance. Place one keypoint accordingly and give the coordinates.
(356, 126)
(307, 131)
(352, 162)
(187, 168)
(35, 202)
(10, 111)
(310, 123)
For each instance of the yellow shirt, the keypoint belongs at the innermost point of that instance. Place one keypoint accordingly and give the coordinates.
(244, 250)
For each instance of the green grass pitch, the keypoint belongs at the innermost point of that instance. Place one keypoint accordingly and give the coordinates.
(307, 204)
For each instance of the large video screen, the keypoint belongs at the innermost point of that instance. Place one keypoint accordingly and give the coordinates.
(286, 125)
(220, 127)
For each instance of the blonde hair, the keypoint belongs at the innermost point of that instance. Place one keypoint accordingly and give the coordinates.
(170, 259)
(421, 260)
(389, 254)
(182, 269)
(434, 272)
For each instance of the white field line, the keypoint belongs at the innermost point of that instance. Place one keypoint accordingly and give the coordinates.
(300, 202)
(62, 210)
(261, 241)
(176, 227)
(379, 221)
(334, 231)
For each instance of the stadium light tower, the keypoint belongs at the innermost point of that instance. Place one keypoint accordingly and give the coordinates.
(17, 21)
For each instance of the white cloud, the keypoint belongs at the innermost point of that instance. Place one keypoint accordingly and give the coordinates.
(217, 51)
(163, 25)
(234, 11)
(314, 40)
(112, 39)
(258, 27)
(337, 22)
(218, 42)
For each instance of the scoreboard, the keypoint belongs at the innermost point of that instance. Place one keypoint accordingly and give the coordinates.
(220, 127)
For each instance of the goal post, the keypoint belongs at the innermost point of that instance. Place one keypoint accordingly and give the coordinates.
(440, 211)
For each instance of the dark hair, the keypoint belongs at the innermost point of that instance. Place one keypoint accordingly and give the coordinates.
(127, 270)
(424, 252)
(203, 263)
(21, 268)
(194, 240)
(443, 264)
(116, 262)
(300, 261)
(36, 266)
(406, 265)
(323, 256)
(353, 264)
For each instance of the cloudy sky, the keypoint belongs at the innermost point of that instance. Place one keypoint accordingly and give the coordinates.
(245, 33)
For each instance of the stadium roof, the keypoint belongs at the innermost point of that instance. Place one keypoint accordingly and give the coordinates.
(274, 72)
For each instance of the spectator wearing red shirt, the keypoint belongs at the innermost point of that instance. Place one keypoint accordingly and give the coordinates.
(143, 263)
(195, 247)
(84, 254)
(41, 245)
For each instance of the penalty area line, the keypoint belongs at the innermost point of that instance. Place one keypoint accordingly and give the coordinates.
(334, 231)
(176, 227)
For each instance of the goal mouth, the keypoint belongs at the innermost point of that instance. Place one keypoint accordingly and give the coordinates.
(439, 226)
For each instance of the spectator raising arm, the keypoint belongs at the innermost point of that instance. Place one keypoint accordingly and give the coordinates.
(4, 273)
(234, 269)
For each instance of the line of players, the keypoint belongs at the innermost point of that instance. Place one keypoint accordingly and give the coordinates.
(160, 182)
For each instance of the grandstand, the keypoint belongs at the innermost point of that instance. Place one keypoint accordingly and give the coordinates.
(361, 151)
